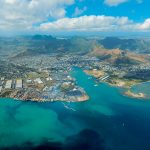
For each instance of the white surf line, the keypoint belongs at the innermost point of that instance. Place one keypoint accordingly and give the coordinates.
(67, 107)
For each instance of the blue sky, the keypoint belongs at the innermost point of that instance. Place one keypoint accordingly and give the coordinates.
(134, 9)
(71, 16)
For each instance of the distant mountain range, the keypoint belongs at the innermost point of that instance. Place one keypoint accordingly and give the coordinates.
(136, 45)
(48, 44)
(111, 49)
(39, 44)
(119, 57)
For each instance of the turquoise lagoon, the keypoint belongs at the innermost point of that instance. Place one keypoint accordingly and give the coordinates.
(108, 121)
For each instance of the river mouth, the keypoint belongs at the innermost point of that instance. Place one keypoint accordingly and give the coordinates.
(108, 120)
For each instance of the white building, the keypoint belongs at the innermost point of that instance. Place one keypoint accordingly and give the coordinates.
(0, 89)
(49, 79)
(8, 84)
(38, 80)
(29, 81)
(19, 84)
(2, 78)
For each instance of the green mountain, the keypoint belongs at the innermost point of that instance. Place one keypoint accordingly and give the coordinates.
(48, 45)
(136, 45)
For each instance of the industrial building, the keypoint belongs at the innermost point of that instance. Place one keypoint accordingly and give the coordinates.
(19, 84)
(0, 89)
(8, 84)
(38, 80)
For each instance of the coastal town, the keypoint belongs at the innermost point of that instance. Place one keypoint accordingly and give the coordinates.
(47, 77)
(41, 83)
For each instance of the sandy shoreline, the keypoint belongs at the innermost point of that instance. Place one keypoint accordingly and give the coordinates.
(135, 95)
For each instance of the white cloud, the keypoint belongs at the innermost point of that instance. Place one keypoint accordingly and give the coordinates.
(145, 25)
(10, 1)
(95, 23)
(114, 2)
(79, 11)
(19, 14)
(100, 23)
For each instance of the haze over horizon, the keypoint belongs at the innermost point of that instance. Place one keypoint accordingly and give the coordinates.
(74, 17)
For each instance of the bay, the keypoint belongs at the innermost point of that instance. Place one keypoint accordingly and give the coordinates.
(108, 120)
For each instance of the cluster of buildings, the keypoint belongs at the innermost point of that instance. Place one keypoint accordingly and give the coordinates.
(11, 84)
(56, 84)
(41, 86)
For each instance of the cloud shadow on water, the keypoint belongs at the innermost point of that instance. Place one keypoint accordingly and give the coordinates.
(85, 140)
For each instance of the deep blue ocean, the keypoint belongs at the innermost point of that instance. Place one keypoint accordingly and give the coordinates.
(108, 121)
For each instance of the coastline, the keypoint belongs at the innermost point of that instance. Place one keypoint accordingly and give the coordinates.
(78, 99)
(127, 91)
(126, 85)
(121, 84)
(135, 95)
